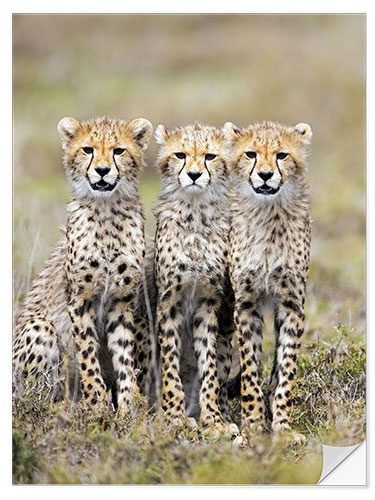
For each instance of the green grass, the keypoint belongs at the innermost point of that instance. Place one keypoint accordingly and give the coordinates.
(62, 444)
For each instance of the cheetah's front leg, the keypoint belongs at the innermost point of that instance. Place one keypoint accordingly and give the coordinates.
(92, 384)
(169, 319)
(205, 346)
(121, 331)
(249, 324)
(290, 321)
(145, 357)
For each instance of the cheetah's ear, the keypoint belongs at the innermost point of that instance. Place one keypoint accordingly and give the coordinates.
(304, 131)
(231, 132)
(142, 131)
(161, 134)
(67, 128)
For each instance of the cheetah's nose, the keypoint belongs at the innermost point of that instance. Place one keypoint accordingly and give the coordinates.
(102, 170)
(265, 175)
(194, 175)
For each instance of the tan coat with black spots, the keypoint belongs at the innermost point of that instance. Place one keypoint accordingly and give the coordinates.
(269, 258)
(191, 258)
(87, 305)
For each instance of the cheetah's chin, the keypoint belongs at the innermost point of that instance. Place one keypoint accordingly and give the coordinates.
(194, 188)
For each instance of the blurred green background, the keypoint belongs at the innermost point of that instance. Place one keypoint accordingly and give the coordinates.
(175, 69)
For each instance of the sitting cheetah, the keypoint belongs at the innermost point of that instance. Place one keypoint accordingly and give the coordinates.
(191, 251)
(269, 258)
(85, 306)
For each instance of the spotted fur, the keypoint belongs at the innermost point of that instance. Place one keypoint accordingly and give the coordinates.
(269, 257)
(87, 306)
(191, 250)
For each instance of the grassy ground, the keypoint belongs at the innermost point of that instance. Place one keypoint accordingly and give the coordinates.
(174, 70)
(61, 443)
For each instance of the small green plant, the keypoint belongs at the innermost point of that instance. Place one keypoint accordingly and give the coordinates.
(24, 457)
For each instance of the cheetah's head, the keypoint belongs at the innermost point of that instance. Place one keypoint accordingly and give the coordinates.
(104, 156)
(192, 158)
(268, 155)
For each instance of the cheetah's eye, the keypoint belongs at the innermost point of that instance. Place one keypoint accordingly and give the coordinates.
(281, 156)
(180, 156)
(88, 150)
(118, 151)
(251, 154)
(209, 156)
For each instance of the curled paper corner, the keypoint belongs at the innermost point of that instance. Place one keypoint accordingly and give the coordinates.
(344, 465)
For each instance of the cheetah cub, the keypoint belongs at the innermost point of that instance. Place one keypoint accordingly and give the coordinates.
(191, 249)
(269, 258)
(85, 306)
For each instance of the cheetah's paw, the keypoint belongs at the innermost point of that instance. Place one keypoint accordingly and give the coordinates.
(220, 429)
(191, 423)
(250, 435)
(290, 438)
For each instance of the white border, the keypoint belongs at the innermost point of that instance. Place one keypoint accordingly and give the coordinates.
(192, 6)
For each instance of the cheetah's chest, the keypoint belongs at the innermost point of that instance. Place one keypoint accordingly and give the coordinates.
(264, 246)
(198, 254)
(193, 255)
(105, 251)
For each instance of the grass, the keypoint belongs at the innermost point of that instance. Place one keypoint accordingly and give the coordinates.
(175, 70)
(62, 444)
(330, 393)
